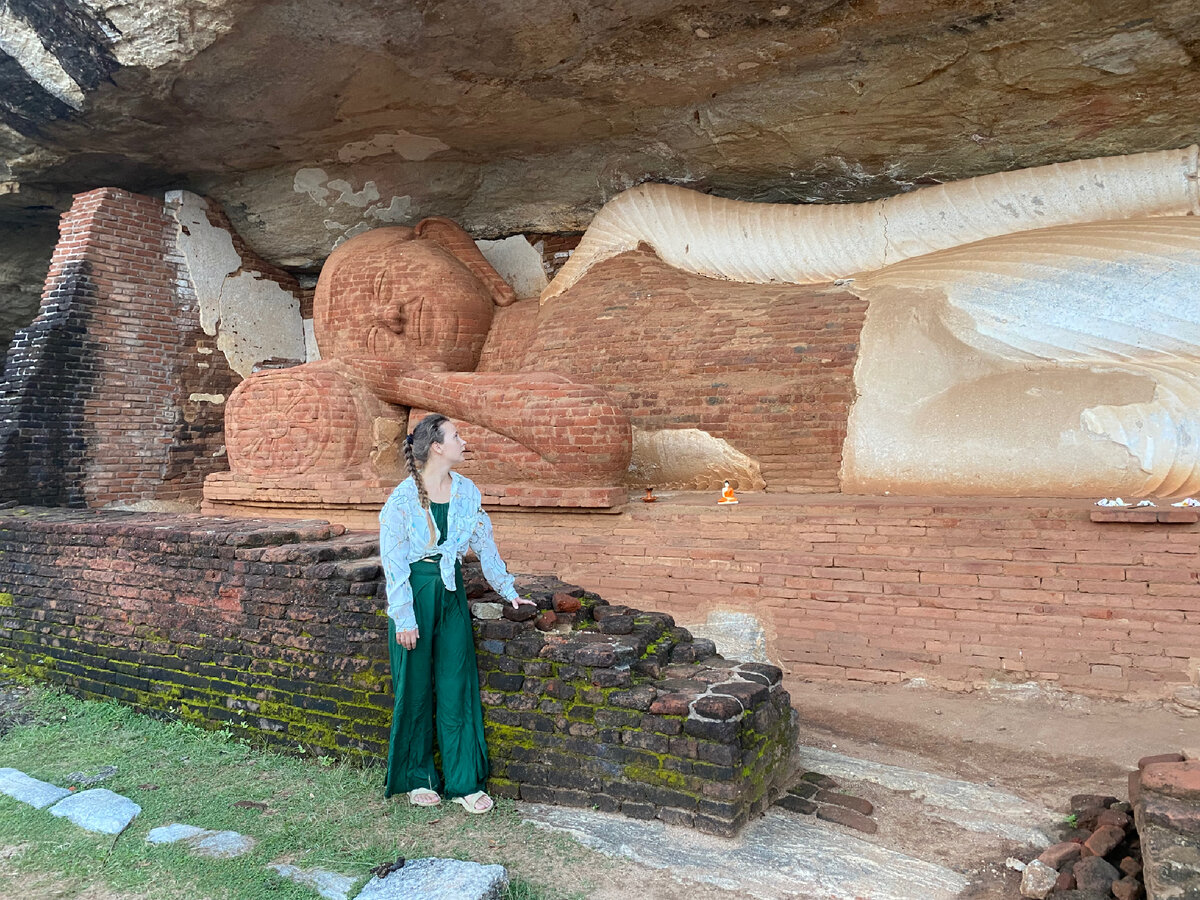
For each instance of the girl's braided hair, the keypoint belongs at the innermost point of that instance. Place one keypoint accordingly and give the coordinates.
(416, 450)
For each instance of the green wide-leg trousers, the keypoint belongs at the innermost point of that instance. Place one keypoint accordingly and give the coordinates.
(439, 675)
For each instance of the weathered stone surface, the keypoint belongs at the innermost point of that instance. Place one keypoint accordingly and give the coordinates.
(487, 610)
(98, 809)
(347, 127)
(439, 879)
(847, 817)
(1038, 880)
(1178, 779)
(221, 844)
(1094, 874)
(169, 834)
(1128, 889)
(19, 786)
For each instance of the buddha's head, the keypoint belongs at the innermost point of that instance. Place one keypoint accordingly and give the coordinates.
(424, 292)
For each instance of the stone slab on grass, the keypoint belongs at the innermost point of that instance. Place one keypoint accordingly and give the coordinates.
(204, 841)
(97, 809)
(38, 794)
(329, 885)
(169, 834)
(439, 879)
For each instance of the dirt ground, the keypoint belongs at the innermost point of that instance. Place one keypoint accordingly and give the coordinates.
(1038, 744)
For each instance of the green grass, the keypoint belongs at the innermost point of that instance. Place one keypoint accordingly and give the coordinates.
(318, 813)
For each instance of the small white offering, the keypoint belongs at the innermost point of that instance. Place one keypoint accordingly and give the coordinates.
(1106, 501)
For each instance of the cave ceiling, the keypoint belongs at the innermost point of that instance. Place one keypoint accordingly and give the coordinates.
(310, 120)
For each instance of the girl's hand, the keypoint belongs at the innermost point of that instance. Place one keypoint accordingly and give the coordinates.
(518, 602)
(407, 639)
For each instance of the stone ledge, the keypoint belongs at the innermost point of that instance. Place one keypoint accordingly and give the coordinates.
(1146, 516)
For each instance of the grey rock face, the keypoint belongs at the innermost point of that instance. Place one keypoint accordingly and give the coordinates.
(98, 809)
(20, 786)
(439, 879)
(375, 113)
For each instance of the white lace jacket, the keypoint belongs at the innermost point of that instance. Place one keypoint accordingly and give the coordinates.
(404, 537)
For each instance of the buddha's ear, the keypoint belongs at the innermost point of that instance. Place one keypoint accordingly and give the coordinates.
(450, 236)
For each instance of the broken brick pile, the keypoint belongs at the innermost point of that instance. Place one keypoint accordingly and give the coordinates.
(594, 705)
(1099, 855)
(1145, 848)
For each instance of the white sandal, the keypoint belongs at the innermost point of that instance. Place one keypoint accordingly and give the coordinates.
(426, 792)
(469, 803)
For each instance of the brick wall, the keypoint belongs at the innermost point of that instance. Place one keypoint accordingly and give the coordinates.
(94, 403)
(278, 628)
(882, 589)
(768, 368)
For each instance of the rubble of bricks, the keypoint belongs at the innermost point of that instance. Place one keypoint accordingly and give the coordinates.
(815, 794)
(593, 705)
(1165, 793)
(277, 629)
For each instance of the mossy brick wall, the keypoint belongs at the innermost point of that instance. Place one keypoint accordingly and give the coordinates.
(620, 710)
(277, 628)
(95, 401)
(269, 626)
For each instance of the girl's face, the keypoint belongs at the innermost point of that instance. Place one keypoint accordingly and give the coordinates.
(453, 448)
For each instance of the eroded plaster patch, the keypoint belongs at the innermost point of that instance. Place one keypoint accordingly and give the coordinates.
(356, 210)
(253, 319)
(690, 459)
(518, 263)
(405, 144)
(207, 398)
(738, 635)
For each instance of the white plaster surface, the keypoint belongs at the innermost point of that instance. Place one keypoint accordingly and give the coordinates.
(518, 263)
(357, 210)
(24, 45)
(253, 319)
(737, 635)
(312, 352)
(811, 244)
(259, 321)
(1062, 362)
(778, 857)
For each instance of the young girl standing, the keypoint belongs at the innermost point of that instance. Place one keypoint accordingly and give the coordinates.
(425, 528)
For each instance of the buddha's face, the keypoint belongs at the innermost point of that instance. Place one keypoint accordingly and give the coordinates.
(426, 300)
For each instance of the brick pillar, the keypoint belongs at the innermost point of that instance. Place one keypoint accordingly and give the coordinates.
(91, 405)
